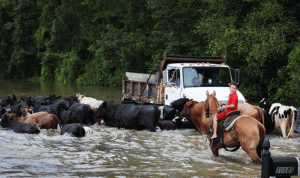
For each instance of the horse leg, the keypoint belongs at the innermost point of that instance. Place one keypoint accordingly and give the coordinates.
(214, 148)
(283, 127)
(252, 150)
(251, 142)
(259, 150)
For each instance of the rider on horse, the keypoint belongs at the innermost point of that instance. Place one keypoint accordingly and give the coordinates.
(231, 106)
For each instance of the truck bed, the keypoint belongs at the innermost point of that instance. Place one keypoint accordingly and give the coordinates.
(136, 88)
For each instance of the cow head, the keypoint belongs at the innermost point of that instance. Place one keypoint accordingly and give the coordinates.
(186, 112)
(264, 104)
(101, 110)
(25, 110)
(12, 100)
(179, 104)
(79, 96)
(4, 102)
(71, 100)
(5, 121)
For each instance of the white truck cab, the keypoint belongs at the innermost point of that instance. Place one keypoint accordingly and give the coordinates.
(193, 77)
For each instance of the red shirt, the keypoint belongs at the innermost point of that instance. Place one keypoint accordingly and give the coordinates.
(233, 99)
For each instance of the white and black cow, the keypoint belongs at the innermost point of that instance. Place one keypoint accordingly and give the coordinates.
(129, 116)
(282, 116)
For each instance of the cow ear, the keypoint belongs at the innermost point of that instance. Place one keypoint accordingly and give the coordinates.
(192, 103)
(104, 104)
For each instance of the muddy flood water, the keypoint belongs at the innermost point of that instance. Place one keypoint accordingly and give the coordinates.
(109, 152)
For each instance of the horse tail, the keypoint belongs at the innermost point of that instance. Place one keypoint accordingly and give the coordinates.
(293, 123)
(260, 114)
(262, 134)
(58, 121)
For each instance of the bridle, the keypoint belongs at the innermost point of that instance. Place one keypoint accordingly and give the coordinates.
(207, 113)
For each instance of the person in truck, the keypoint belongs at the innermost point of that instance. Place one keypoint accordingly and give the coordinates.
(232, 105)
(172, 80)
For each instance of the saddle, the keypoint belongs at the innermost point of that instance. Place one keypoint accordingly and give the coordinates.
(228, 122)
(224, 125)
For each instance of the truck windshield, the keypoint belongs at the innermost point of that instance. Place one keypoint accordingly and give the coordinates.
(206, 76)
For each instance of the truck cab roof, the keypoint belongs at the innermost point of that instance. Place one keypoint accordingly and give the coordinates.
(169, 59)
(179, 65)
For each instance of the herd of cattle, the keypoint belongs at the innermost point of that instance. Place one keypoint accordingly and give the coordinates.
(75, 114)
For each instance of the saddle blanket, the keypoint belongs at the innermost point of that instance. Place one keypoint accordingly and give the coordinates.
(230, 121)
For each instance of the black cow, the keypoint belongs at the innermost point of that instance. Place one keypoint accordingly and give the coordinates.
(83, 110)
(16, 107)
(69, 117)
(2, 111)
(53, 99)
(4, 102)
(297, 126)
(106, 112)
(166, 125)
(179, 104)
(74, 129)
(269, 123)
(11, 100)
(264, 104)
(19, 127)
(39, 100)
(180, 122)
(169, 112)
(129, 116)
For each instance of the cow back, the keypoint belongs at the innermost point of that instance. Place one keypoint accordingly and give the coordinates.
(139, 117)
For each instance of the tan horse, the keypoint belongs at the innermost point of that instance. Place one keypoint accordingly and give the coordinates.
(253, 111)
(248, 132)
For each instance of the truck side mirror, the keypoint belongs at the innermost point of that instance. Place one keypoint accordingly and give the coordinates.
(165, 78)
(236, 77)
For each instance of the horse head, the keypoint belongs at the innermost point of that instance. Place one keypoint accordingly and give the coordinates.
(211, 103)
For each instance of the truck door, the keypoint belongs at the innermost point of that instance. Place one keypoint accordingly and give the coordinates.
(173, 87)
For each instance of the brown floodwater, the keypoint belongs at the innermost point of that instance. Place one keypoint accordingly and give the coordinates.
(109, 152)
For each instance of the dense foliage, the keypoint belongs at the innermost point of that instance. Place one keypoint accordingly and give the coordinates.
(93, 42)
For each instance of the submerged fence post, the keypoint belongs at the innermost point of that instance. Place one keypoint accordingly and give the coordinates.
(265, 165)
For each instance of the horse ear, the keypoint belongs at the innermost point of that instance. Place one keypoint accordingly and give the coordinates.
(207, 94)
(214, 93)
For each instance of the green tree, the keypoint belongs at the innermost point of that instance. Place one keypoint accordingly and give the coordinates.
(174, 26)
(255, 36)
(19, 20)
(60, 40)
(288, 90)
